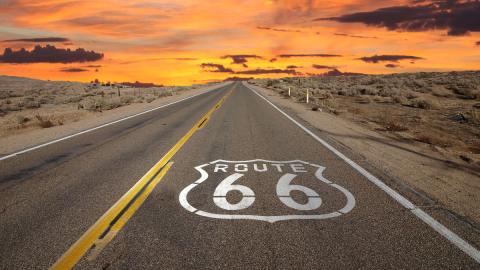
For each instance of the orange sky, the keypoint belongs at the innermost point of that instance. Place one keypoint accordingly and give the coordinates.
(167, 41)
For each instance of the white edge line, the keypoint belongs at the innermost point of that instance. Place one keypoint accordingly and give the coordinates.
(102, 126)
(429, 220)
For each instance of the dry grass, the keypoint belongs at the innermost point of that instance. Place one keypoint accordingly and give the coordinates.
(44, 122)
(432, 138)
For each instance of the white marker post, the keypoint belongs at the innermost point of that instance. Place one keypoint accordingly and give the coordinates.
(288, 91)
(307, 95)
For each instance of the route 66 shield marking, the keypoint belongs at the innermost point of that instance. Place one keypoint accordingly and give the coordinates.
(283, 178)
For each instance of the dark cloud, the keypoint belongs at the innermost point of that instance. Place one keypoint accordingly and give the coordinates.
(391, 66)
(235, 78)
(240, 58)
(141, 84)
(279, 29)
(273, 60)
(336, 72)
(93, 66)
(268, 71)
(293, 67)
(39, 40)
(73, 70)
(308, 55)
(353, 36)
(477, 43)
(455, 16)
(48, 54)
(322, 67)
(210, 67)
(388, 58)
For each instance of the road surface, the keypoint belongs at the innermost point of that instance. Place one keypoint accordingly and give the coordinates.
(221, 180)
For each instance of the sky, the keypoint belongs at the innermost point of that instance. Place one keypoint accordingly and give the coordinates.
(188, 42)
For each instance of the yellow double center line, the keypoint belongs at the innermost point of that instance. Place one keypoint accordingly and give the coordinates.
(105, 229)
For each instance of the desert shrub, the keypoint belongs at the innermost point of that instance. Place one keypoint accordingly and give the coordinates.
(342, 93)
(394, 126)
(73, 99)
(31, 104)
(440, 91)
(127, 99)
(400, 100)
(434, 139)
(410, 95)
(363, 100)
(109, 103)
(422, 103)
(44, 122)
(164, 93)
(13, 107)
(474, 116)
(149, 99)
(465, 91)
(15, 94)
(4, 95)
(21, 119)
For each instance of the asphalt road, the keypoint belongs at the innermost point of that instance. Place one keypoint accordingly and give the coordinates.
(247, 189)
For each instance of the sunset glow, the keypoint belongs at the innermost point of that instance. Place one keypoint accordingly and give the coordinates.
(167, 42)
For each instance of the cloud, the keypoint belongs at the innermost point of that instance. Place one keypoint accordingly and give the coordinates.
(268, 71)
(353, 36)
(235, 78)
(307, 55)
(49, 54)
(241, 59)
(291, 11)
(322, 67)
(279, 29)
(93, 66)
(293, 67)
(388, 58)
(391, 66)
(477, 43)
(73, 70)
(455, 16)
(273, 60)
(210, 67)
(39, 40)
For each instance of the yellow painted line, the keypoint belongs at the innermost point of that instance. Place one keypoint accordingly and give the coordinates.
(115, 218)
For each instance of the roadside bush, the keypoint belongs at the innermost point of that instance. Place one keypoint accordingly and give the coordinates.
(31, 104)
(44, 122)
(149, 99)
(400, 100)
(21, 119)
(426, 104)
(434, 139)
(127, 99)
(363, 100)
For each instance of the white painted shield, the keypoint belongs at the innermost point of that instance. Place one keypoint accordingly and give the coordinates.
(283, 189)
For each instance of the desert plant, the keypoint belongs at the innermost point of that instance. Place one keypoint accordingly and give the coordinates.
(434, 139)
(43, 122)
(423, 103)
(31, 104)
(21, 119)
